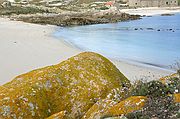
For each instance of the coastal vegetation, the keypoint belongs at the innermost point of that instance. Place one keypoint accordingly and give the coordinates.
(160, 102)
(21, 10)
(66, 14)
(88, 86)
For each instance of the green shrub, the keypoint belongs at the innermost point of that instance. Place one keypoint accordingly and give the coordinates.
(152, 89)
(173, 85)
(159, 104)
(20, 10)
(158, 107)
(178, 115)
(104, 8)
(137, 115)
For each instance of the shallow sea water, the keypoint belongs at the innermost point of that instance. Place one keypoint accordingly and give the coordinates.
(150, 40)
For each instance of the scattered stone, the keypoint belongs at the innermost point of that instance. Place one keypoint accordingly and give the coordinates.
(167, 14)
(150, 29)
(6, 4)
(136, 29)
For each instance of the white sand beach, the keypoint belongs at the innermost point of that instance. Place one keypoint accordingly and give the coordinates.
(149, 11)
(25, 47)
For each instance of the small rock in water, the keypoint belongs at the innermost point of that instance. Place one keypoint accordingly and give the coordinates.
(150, 29)
(167, 14)
(136, 29)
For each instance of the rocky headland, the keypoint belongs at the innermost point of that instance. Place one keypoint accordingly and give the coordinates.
(70, 14)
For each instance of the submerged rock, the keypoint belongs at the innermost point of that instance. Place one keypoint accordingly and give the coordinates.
(73, 86)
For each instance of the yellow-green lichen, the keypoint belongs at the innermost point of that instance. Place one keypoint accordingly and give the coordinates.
(59, 115)
(72, 86)
(128, 105)
(176, 98)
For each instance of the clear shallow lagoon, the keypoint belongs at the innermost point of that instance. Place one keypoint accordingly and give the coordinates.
(150, 40)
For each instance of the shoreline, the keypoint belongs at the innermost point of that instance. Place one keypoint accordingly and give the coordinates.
(151, 11)
(128, 61)
(25, 47)
(142, 71)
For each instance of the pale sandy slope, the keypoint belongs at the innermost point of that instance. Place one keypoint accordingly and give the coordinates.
(149, 11)
(24, 47)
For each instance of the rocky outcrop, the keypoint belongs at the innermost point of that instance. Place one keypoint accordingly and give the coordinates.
(109, 108)
(78, 18)
(6, 4)
(86, 86)
(128, 105)
(69, 89)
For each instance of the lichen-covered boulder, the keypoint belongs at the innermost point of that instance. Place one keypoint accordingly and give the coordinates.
(128, 105)
(108, 108)
(72, 86)
(98, 110)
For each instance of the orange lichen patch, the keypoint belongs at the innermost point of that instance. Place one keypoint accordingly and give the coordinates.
(128, 105)
(2, 88)
(98, 109)
(73, 85)
(176, 98)
(164, 79)
(60, 115)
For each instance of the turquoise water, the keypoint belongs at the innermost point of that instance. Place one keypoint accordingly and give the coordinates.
(150, 40)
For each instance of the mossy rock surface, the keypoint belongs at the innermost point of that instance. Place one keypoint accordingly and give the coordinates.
(73, 86)
(98, 110)
(109, 108)
(176, 98)
(60, 115)
(128, 105)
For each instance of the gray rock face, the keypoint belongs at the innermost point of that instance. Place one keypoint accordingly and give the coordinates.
(6, 4)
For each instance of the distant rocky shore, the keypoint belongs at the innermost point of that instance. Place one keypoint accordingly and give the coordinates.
(74, 19)
(59, 17)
